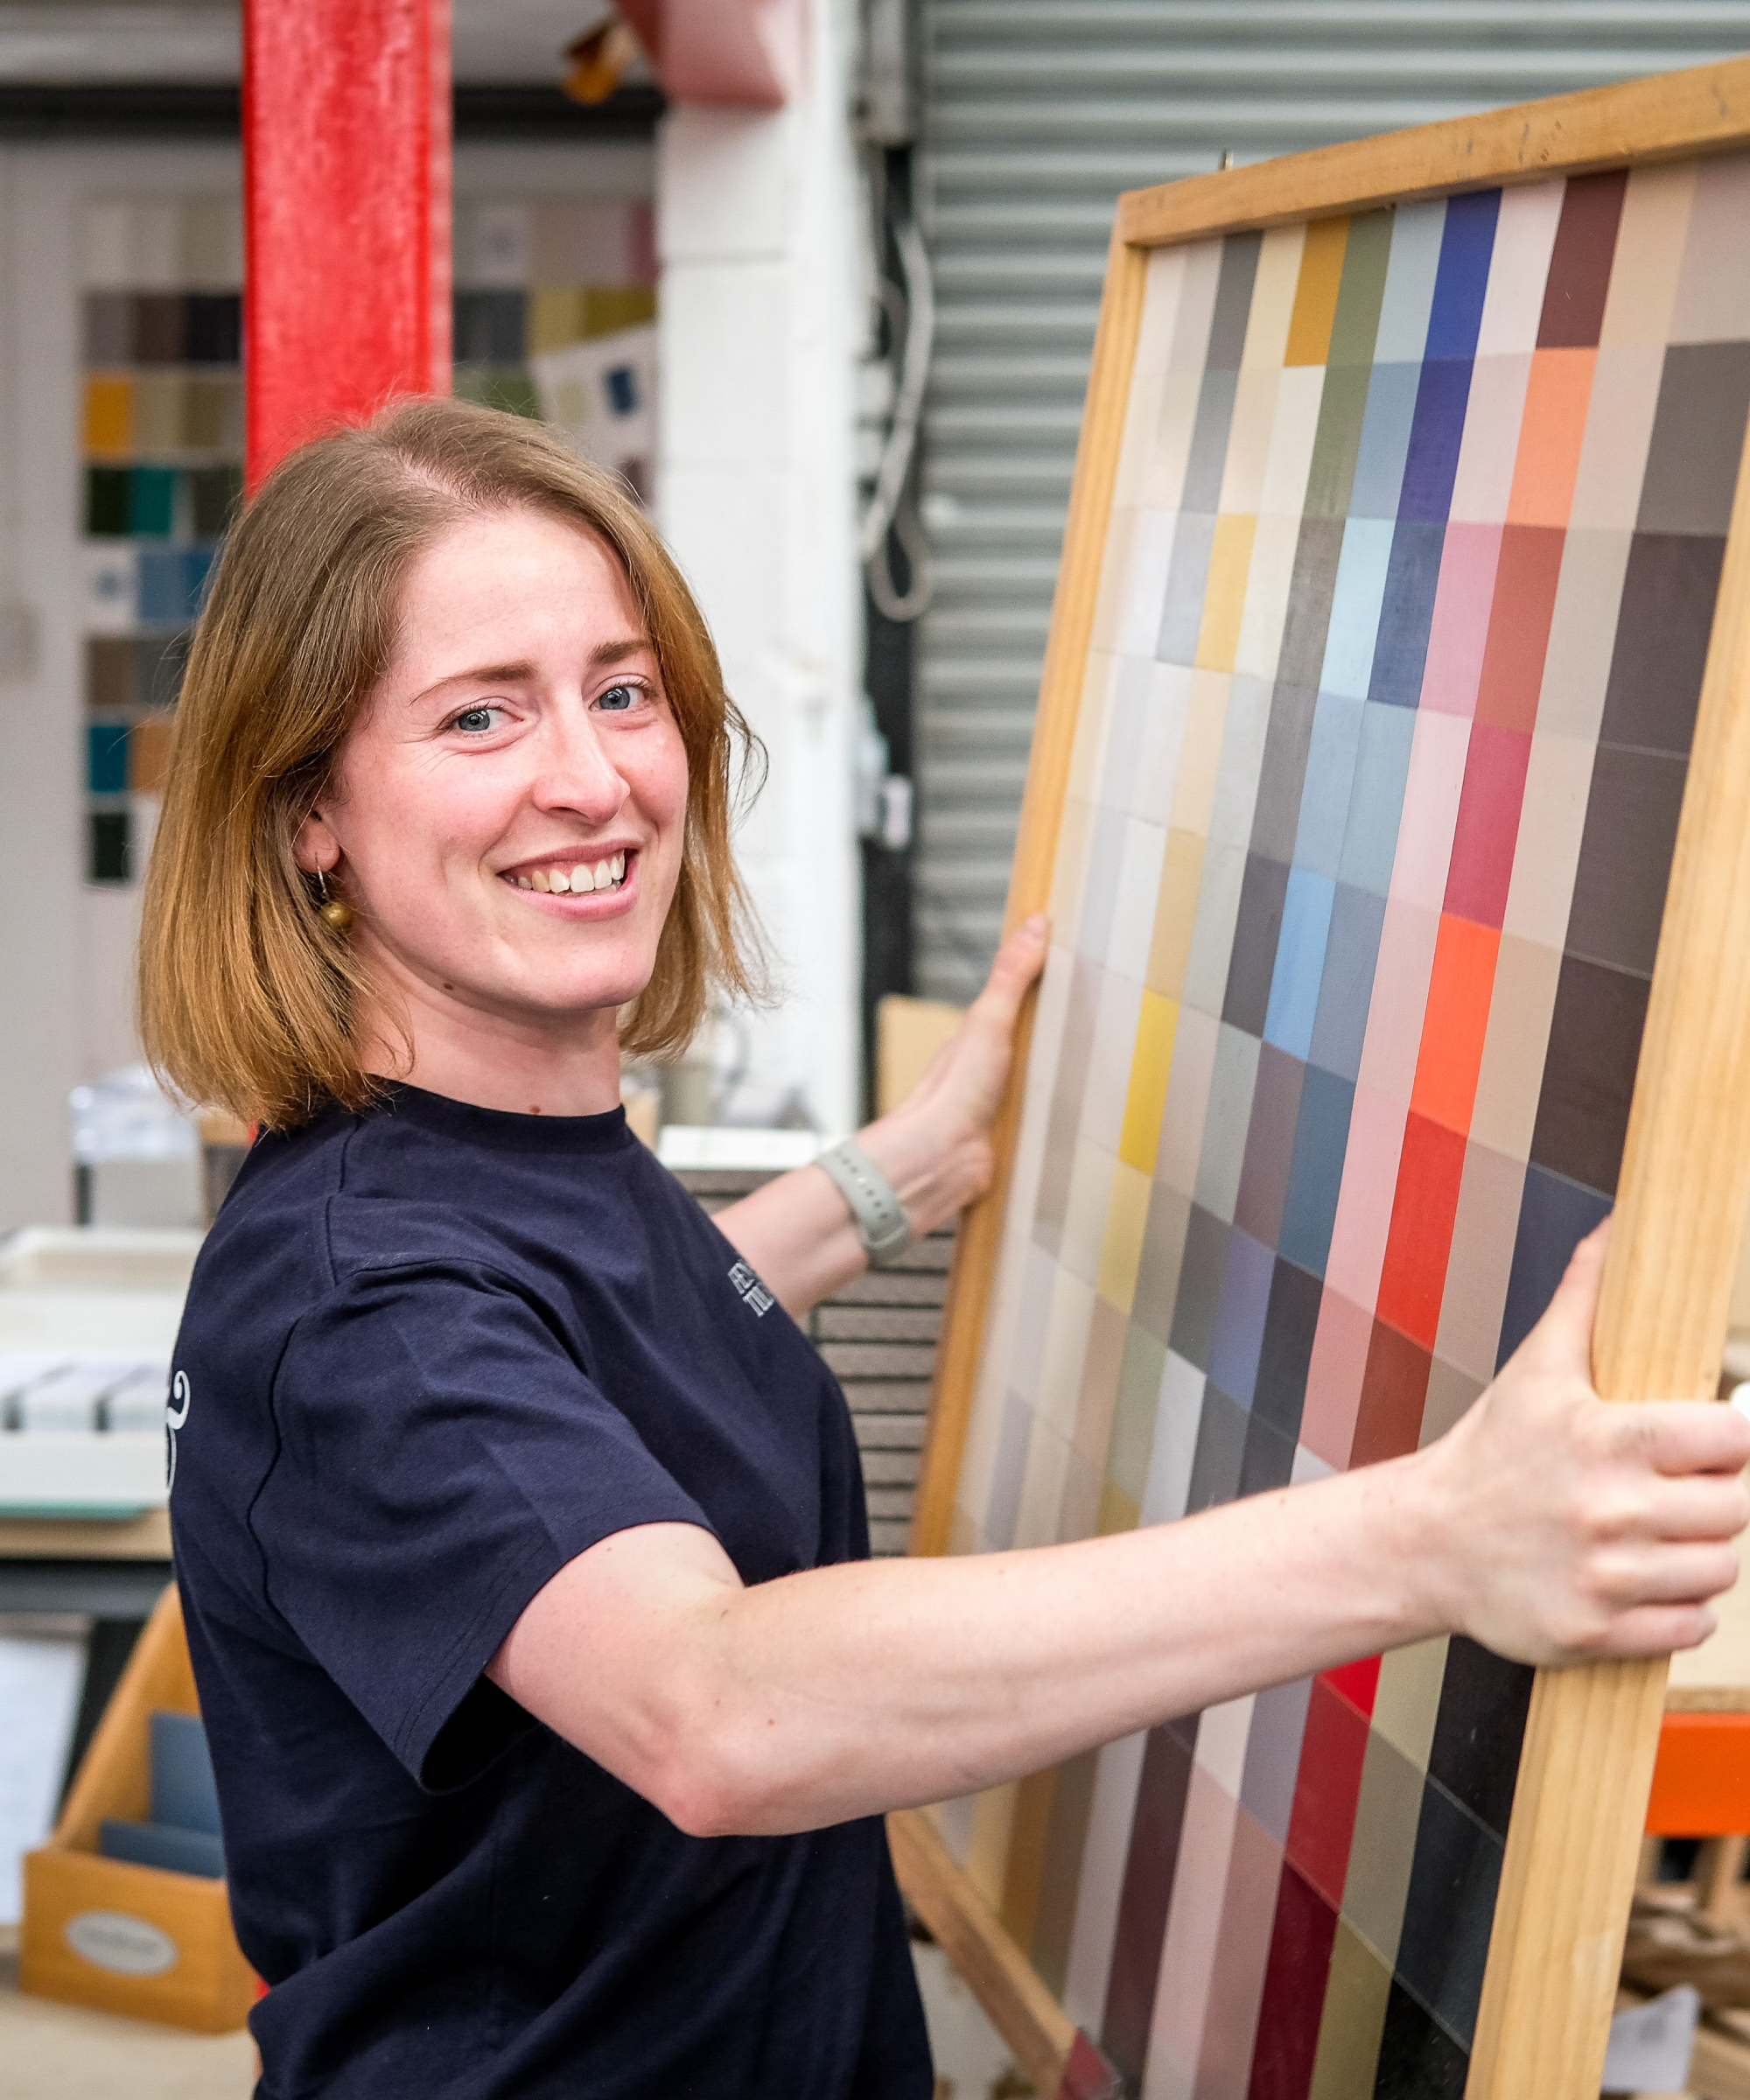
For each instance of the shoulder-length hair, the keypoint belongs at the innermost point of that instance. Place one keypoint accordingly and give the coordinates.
(246, 999)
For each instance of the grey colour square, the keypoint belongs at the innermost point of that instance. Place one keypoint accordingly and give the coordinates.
(1631, 829)
(1220, 1451)
(1208, 457)
(1273, 1755)
(1309, 1214)
(1269, 1144)
(1188, 578)
(1226, 1120)
(1275, 813)
(1240, 1317)
(1376, 797)
(1697, 439)
(1331, 759)
(1311, 588)
(1385, 440)
(1165, 1233)
(1004, 1506)
(1345, 989)
(1252, 964)
(1240, 255)
(1199, 1287)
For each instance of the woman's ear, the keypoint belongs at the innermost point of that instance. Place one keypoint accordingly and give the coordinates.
(316, 850)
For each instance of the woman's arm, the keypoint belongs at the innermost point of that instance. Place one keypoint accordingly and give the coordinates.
(934, 1148)
(1548, 1524)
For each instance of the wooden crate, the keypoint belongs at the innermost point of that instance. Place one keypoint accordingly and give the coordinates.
(123, 1938)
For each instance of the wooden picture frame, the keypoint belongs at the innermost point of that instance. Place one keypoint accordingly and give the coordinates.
(1592, 1732)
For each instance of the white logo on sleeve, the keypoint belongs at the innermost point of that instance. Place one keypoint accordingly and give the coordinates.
(176, 1413)
(753, 1293)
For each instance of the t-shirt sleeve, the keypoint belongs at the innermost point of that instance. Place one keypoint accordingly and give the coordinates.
(441, 1455)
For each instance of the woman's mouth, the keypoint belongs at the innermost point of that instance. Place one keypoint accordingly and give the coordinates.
(575, 879)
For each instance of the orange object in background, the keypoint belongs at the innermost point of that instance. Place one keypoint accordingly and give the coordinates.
(130, 1939)
(1701, 1781)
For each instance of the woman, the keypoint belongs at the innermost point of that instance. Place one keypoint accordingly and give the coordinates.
(552, 1699)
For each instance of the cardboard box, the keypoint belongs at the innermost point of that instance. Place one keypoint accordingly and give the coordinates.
(128, 1939)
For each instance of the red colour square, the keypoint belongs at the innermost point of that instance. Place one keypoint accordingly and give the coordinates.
(1414, 1277)
(1323, 1818)
(1294, 1983)
(1519, 625)
(1455, 1022)
(1488, 826)
(1356, 1681)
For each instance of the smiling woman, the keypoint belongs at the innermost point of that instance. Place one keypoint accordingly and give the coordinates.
(553, 1699)
(246, 999)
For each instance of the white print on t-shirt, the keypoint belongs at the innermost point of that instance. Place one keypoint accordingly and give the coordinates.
(173, 1421)
(753, 1293)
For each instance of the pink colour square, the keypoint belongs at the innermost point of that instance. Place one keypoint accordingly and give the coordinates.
(1333, 1378)
(1188, 1952)
(1364, 1202)
(1487, 827)
(1408, 942)
(1432, 790)
(1460, 631)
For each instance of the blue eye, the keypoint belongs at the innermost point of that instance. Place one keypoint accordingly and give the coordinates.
(476, 721)
(618, 698)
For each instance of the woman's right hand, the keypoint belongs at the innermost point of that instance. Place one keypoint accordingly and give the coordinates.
(1567, 1528)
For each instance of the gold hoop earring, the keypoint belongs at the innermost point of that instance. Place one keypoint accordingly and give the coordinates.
(330, 910)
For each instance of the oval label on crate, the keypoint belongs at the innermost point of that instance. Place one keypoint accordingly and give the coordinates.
(125, 1945)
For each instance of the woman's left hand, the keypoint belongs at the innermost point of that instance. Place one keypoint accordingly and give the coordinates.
(939, 1136)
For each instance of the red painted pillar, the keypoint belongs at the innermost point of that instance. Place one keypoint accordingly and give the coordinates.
(346, 213)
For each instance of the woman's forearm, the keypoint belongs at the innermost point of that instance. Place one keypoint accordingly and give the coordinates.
(798, 1232)
(854, 1689)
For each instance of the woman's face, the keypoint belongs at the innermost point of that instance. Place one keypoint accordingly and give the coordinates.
(508, 814)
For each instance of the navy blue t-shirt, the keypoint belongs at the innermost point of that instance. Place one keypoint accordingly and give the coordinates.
(430, 1354)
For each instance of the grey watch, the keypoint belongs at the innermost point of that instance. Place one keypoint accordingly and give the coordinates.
(882, 1225)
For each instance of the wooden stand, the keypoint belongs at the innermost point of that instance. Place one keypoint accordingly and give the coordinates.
(124, 1938)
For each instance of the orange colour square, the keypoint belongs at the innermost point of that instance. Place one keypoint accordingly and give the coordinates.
(1455, 1022)
(1315, 294)
(1556, 399)
(108, 415)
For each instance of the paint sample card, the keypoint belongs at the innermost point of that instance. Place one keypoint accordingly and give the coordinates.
(1405, 604)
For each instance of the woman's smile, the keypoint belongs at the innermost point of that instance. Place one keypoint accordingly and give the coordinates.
(607, 880)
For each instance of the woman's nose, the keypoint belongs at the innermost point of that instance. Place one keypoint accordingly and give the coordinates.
(578, 773)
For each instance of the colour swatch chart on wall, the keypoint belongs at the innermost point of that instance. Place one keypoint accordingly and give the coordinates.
(163, 442)
(556, 307)
(1407, 587)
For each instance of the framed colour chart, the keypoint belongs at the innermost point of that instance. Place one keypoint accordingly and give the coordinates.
(1390, 793)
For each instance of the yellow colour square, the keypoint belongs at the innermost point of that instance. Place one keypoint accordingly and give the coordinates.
(608, 308)
(1315, 297)
(1175, 914)
(1126, 1219)
(558, 314)
(1150, 1063)
(108, 415)
(1224, 600)
(1117, 1512)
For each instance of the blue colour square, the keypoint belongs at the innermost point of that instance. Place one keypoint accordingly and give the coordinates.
(163, 586)
(1412, 580)
(622, 390)
(161, 1844)
(1466, 249)
(1299, 963)
(1555, 1215)
(1354, 606)
(1377, 799)
(1240, 1316)
(198, 564)
(1346, 990)
(1321, 1140)
(1432, 462)
(1385, 440)
(1330, 775)
(105, 757)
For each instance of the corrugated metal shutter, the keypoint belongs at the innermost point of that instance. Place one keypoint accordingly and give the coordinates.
(1036, 114)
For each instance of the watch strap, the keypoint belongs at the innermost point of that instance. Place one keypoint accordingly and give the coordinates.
(882, 1225)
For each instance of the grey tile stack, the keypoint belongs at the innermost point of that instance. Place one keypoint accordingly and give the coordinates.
(878, 1336)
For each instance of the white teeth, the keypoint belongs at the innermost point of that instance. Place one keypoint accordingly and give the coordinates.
(538, 880)
(603, 875)
(580, 881)
(583, 877)
(619, 866)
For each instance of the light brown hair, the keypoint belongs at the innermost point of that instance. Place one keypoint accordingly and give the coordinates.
(246, 999)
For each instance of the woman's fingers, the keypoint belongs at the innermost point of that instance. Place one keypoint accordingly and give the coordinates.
(1018, 962)
(1680, 1437)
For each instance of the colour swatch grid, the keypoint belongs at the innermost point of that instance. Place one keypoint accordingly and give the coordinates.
(1406, 595)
